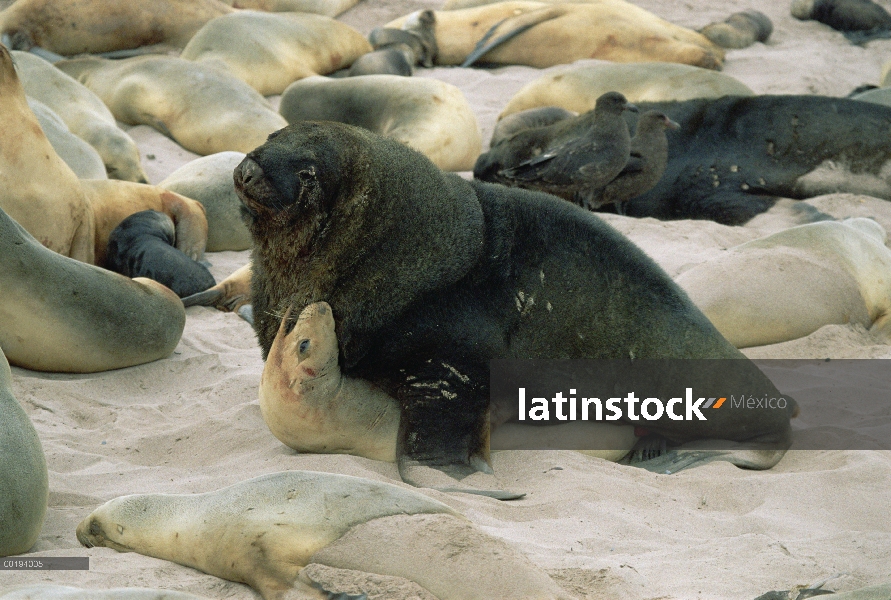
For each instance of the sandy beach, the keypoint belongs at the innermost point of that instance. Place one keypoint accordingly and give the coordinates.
(191, 422)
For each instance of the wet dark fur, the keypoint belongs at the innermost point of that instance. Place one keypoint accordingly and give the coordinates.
(771, 140)
(142, 246)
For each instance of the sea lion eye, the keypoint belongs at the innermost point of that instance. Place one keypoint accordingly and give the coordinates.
(303, 347)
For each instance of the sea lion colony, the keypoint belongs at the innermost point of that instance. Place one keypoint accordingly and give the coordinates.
(142, 245)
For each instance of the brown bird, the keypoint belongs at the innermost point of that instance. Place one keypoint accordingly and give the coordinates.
(573, 158)
(646, 163)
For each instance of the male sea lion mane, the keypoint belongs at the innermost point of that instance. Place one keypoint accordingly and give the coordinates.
(332, 219)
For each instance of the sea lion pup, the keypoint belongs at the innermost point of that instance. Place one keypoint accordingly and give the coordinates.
(77, 154)
(77, 26)
(45, 591)
(269, 51)
(24, 486)
(789, 284)
(428, 115)
(646, 162)
(577, 87)
(208, 180)
(528, 119)
(37, 188)
(739, 30)
(113, 201)
(734, 157)
(263, 531)
(615, 30)
(859, 20)
(328, 8)
(84, 113)
(233, 294)
(202, 108)
(572, 159)
(417, 32)
(473, 272)
(394, 60)
(143, 246)
(63, 315)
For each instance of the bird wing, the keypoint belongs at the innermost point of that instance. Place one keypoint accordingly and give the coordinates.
(569, 163)
(635, 165)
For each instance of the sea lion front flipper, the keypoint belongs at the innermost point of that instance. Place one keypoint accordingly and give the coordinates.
(444, 422)
(689, 455)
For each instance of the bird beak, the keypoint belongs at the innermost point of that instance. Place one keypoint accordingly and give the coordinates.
(669, 124)
(631, 107)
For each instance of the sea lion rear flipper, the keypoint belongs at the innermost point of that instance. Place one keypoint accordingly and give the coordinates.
(520, 23)
(306, 587)
(444, 423)
(745, 455)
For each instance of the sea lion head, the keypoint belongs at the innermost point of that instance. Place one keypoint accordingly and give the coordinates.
(309, 352)
(117, 523)
(297, 171)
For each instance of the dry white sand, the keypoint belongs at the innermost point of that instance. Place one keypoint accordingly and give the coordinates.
(191, 422)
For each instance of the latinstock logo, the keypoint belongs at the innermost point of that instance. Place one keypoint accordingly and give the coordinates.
(626, 408)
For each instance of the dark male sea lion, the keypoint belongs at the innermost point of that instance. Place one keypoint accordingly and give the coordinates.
(734, 156)
(143, 246)
(432, 276)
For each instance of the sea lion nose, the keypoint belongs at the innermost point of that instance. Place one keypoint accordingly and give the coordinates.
(247, 172)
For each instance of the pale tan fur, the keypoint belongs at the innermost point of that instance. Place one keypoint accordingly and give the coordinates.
(430, 116)
(577, 87)
(609, 29)
(275, 49)
(789, 284)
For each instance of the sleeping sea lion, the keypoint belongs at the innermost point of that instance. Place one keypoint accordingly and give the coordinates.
(92, 26)
(63, 315)
(473, 272)
(428, 115)
(202, 108)
(614, 30)
(83, 112)
(24, 485)
(577, 87)
(208, 180)
(734, 157)
(263, 531)
(77, 154)
(739, 30)
(789, 284)
(268, 51)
